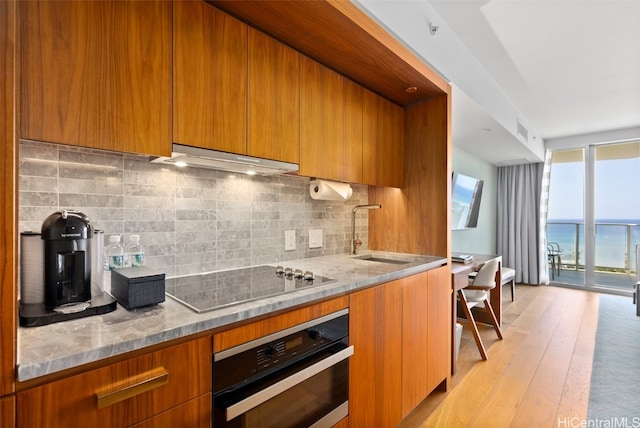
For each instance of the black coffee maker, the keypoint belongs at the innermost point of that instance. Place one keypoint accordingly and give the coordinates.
(67, 258)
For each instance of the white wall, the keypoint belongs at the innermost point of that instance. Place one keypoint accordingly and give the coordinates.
(482, 239)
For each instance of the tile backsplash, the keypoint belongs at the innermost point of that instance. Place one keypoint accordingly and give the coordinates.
(190, 220)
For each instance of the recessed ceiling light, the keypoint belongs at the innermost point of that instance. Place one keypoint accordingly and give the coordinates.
(181, 164)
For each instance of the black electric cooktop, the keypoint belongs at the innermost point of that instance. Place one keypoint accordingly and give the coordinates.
(209, 291)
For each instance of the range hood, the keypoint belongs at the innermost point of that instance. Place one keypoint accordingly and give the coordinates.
(223, 161)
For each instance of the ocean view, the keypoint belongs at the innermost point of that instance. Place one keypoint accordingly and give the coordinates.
(614, 237)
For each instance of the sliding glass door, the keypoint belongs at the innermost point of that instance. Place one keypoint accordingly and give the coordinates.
(565, 217)
(616, 207)
(594, 216)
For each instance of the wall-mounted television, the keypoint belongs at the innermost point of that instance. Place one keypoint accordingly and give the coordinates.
(466, 193)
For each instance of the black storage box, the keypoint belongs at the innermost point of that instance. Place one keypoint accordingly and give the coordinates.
(134, 287)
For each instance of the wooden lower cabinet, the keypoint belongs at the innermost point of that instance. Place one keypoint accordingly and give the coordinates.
(194, 414)
(439, 329)
(426, 319)
(415, 339)
(400, 331)
(375, 325)
(126, 393)
(344, 423)
(7, 411)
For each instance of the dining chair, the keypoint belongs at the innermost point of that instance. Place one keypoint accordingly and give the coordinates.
(508, 276)
(554, 255)
(476, 294)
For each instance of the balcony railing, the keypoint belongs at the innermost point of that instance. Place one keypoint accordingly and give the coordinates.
(615, 245)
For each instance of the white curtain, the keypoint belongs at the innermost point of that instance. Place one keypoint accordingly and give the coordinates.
(544, 208)
(519, 197)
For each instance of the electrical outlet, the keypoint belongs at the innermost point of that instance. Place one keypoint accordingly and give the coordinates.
(315, 238)
(289, 240)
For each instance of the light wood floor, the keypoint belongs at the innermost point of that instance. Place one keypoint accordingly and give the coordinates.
(538, 376)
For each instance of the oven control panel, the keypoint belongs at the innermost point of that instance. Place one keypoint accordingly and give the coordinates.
(270, 353)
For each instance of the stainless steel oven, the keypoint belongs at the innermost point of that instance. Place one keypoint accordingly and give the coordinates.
(298, 377)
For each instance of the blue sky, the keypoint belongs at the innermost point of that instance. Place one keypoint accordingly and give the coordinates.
(617, 190)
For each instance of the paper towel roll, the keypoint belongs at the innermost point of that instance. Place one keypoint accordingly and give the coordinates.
(330, 190)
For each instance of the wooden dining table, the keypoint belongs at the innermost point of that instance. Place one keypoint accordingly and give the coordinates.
(459, 280)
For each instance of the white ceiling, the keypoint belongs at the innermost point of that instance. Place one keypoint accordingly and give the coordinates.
(562, 67)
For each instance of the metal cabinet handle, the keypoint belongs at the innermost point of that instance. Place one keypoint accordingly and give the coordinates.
(151, 380)
(293, 380)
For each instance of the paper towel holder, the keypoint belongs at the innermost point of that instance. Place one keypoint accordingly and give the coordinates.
(316, 191)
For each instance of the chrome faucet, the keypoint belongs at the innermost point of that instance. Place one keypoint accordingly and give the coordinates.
(355, 242)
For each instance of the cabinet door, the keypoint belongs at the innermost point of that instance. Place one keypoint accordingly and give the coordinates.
(210, 78)
(375, 323)
(330, 124)
(7, 412)
(97, 74)
(426, 332)
(274, 99)
(121, 394)
(415, 319)
(438, 327)
(382, 142)
(9, 204)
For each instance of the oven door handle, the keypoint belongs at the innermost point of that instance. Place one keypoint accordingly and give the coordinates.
(271, 391)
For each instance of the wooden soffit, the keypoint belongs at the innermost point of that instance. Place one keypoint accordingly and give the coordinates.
(339, 35)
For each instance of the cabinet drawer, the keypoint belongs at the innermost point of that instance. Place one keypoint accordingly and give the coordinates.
(193, 414)
(121, 394)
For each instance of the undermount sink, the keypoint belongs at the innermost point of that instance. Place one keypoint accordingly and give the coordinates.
(374, 258)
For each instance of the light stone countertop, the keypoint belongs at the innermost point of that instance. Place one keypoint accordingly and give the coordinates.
(63, 345)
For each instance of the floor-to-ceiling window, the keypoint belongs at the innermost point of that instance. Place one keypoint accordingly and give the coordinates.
(594, 216)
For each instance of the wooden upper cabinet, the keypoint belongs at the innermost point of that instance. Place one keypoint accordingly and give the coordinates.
(382, 141)
(210, 78)
(97, 74)
(274, 99)
(330, 124)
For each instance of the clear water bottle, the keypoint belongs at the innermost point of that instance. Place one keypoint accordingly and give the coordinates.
(134, 252)
(114, 254)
